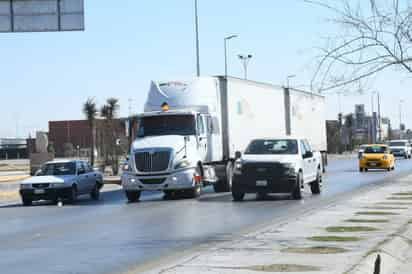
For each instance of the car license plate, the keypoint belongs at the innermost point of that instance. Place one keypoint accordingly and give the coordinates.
(39, 191)
(262, 183)
(373, 164)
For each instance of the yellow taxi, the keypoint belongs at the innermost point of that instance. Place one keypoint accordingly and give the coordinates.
(377, 156)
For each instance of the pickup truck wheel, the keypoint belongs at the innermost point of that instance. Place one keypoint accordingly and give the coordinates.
(237, 195)
(297, 192)
(27, 201)
(225, 185)
(73, 195)
(133, 196)
(316, 186)
(95, 194)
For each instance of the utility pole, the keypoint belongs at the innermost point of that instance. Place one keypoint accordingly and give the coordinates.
(197, 40)
(288, 80)
(245, 59)
(225, 42)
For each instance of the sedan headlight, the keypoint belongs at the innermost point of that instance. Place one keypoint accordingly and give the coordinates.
(55, 185)
(25, 186)
(182, 164)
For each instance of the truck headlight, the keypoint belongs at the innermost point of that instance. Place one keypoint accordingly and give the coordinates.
(290, 169)
(25, 186)
(182, 164)
(238, 168)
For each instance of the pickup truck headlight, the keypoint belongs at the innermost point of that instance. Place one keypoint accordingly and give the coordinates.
(25, 186)
(290, 169)
(183, 164)
(238, 168)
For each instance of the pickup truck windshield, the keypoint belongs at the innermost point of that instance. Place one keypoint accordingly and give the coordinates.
(167, 125)
(397, 144)
(375, 150)
(58, 169)
(272, 147)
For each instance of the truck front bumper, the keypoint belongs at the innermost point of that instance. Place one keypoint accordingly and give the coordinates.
(245, 184)
(180, 180)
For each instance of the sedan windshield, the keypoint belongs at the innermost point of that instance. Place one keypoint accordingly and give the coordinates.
(375, 150)
(167, 125)
(272, 147)
(57, 169)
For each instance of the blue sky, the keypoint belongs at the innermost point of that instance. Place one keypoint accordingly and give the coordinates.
(47, 76)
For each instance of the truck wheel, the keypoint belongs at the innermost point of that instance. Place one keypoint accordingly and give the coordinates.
(73, 195)
(237, 195)
(27, 201)
(225, 185)
(360, 169)
(193, 193)
(133, 196)
(95, 194)
(297, 192)
(316, 186)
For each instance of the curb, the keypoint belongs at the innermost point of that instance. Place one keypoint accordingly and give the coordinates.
(388, 256)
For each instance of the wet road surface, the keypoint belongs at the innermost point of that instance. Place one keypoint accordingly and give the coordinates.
(111, 236)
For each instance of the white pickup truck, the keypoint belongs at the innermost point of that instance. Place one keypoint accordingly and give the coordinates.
(282, 165)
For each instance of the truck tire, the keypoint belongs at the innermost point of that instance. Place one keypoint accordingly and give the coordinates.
(297, 192)
(133, 196)
(193, 193)
(27, 201)
(237, 195)
(225, 184)
(316, 186)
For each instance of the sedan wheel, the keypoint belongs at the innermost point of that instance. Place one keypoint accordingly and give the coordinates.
(95, 194)
(27, 201)
(73, 195)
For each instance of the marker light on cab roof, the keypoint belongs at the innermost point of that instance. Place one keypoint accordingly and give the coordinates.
(165, 107)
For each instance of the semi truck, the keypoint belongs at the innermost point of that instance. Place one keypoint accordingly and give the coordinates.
(190, 131)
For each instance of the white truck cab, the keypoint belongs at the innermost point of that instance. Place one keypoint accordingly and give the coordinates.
(400, 148)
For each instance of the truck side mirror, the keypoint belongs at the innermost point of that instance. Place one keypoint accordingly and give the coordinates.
(308, 154)
(238, 154)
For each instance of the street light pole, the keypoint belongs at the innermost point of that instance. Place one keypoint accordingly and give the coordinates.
(245, 62)
(288, 80)
(225, 42)
(197, 40)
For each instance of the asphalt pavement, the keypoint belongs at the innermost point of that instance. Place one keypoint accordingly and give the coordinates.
(111, 236)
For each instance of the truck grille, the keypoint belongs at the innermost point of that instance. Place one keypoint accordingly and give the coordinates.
(263, 170)
(152, 162)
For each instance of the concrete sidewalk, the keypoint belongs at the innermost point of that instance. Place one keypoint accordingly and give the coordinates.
(342, 238)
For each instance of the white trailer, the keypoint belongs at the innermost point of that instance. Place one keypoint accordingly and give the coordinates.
(204, 122)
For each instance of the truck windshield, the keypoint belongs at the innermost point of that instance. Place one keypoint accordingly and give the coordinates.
(397, 144)
(167, 125)
(57, 169)
(272, 147)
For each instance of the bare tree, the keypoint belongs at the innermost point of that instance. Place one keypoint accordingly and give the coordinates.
(374, 36)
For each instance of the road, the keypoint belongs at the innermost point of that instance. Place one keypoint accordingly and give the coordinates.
(111, 236)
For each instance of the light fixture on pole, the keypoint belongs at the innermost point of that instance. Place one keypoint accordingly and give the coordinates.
(288, 79)
(225, 42)
(245, 59)
(197, 41)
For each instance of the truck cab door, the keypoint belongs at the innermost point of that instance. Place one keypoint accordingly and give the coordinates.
(312, 161)
(306, 161)
(202, 139)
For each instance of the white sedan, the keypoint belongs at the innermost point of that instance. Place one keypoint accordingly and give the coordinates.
(62, 180)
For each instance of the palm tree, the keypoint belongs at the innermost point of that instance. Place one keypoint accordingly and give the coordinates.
(90, 111)
(109, 112)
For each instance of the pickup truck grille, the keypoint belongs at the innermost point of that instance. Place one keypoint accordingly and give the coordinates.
(263, 170)
(152, 162)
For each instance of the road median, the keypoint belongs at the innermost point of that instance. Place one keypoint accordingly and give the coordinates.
(344, 237)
